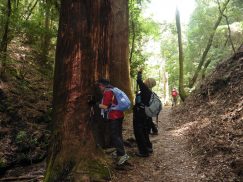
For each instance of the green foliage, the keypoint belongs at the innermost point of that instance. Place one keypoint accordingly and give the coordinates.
(2, 163)
(141, 31)
(25, 141)
(21, 137)
(196, 35)
(34, 23)
(199, 30)
(169, 51)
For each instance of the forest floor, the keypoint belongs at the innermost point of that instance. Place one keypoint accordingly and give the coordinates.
(200, 140)
(171, 159)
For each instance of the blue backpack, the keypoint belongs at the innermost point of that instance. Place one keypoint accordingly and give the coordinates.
(123, 102)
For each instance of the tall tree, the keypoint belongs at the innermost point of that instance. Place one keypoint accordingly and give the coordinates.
(181, 57)
(120, 67)
(82, 56)
(4, 41)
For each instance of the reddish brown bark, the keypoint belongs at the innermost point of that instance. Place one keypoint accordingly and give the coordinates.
(82, 56)
(120, 68)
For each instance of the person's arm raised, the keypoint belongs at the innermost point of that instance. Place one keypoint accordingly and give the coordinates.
(142, 86)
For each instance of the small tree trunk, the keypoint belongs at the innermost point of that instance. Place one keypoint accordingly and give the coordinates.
(133, 35)
(82, 55)
(181, 57)
(209, 44)
(4, 42)
(30, 10)
(46, 40)
(120, 68)
(205, 68)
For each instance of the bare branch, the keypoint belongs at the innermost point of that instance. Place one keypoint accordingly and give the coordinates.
(227, 21)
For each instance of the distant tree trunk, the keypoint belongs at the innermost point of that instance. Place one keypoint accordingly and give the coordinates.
(46, 39)
(30, 9)
(205, 68)
(133, 35)
(120, 68)
(4, 41)
(229, 31)
(181, 57)
(82, 55)
(228, 25)
(208, 46)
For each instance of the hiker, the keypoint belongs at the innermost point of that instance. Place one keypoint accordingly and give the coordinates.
(152, 128)
(174, 95)
(141, 120)
(115, 118)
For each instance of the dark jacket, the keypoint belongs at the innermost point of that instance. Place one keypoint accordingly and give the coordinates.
(145, 92)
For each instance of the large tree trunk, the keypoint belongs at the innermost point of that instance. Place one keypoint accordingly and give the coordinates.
(208, 46)
(120, 68)
(82, 56)
(4, 41)
(182, 92)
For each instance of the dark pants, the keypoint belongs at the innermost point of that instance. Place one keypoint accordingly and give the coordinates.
(151, 126)
(116, 135)
(140, 126)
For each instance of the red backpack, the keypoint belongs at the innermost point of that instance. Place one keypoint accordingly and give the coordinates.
(174, 93)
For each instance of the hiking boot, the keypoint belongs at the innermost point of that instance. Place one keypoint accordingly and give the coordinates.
(150, 150)
(123, 159)
(154, 133)
(142, 155)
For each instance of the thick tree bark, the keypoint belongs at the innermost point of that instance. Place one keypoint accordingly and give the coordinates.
(4, 42)
(182, 92)
(120, 68)
(82, 56)
(208, 46)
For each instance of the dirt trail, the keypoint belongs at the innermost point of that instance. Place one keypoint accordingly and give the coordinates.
(171, 160)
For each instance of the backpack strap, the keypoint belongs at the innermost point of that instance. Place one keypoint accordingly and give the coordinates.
(112, 100)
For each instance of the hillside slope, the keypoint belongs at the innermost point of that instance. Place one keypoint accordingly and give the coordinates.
(25, 108)
(214, 113)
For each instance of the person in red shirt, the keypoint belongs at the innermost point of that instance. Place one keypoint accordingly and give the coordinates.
(174, 95)
(115, 118)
